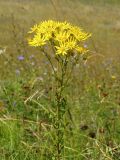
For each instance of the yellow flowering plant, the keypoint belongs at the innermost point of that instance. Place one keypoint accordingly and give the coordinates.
(67, 41)
(65, 38)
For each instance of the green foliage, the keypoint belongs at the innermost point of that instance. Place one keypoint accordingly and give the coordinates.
(93, 126)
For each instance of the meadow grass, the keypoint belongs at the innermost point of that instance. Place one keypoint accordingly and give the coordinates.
(26, 87)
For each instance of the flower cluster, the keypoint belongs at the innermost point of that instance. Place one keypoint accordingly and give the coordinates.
(64, 37)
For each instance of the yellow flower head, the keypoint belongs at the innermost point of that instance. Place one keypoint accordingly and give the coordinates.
(81, 49)
(33, 29)
(62, 36)
(38, 40)
(62, 49)
(71, 43)
(65, 36)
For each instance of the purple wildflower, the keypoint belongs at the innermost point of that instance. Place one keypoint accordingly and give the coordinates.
(21, 57)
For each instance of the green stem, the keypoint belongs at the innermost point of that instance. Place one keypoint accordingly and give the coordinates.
(61, 111)
(49, 60)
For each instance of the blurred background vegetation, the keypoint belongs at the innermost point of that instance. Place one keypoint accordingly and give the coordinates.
(100, 17)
